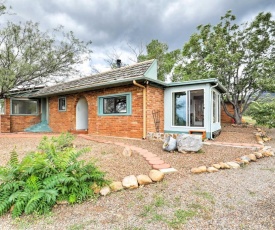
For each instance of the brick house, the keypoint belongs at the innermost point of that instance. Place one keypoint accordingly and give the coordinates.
(124, 102)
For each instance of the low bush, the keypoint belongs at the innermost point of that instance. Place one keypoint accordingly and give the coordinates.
(50, 174)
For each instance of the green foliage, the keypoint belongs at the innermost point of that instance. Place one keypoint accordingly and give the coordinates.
(46, 176)
(241, 57)
(166, 60)
(30, 56)
(263, 113)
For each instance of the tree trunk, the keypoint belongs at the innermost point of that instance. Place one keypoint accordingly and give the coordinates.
(237, 115)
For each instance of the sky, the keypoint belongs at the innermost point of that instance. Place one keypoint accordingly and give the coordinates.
(112, 25)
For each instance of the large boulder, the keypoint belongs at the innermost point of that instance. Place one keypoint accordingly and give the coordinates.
(170, 144)
(189, 143)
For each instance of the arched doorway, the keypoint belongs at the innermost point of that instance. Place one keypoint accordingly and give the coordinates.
(82, 114)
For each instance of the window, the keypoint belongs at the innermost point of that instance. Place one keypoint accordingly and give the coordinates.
(2, 106)
(114, 105)
(118, 104)
(216, 107)
(188, 108)
(179, 110)
(62, 104)
(24, 107)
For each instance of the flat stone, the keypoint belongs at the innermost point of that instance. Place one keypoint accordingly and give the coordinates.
(156, 162)
(168, 170)
(162, 166)
(146, 155)
(233, 165)
(151, 156)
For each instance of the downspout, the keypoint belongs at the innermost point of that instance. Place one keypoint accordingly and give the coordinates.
(144, 108)
(211, 110)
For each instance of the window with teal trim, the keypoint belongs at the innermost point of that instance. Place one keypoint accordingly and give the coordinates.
(115, 104)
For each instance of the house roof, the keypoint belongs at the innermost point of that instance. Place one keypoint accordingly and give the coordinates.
(143, 71)
(109, 78)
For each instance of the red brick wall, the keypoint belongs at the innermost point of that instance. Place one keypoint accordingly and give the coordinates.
(155, 101)
(20, 123)
(122, 126)
(5, 124)
(17, 123)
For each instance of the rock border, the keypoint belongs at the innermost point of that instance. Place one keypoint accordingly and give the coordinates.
(130, 182)
(266, 151)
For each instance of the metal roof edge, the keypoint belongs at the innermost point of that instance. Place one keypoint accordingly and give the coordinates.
(199, 81)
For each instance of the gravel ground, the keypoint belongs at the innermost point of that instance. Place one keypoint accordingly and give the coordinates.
(230, 199)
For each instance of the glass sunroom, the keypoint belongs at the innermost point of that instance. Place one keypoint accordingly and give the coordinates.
(193, 106)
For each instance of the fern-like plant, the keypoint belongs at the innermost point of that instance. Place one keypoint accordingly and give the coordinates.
(52, 173)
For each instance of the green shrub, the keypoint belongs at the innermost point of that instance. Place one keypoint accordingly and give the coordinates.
(264, 113)
(46, 176)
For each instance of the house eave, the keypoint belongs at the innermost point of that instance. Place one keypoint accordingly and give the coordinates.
(115, 83)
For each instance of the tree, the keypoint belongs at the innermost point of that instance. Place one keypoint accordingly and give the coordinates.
(166, 60)
(241, 57)
(30, 57)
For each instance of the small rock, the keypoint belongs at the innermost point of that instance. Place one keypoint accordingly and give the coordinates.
(60, 202)
(105, 191)
(212, 169)
(217, 166)
(156, 175)
(258, 155)
(233, 165)
(130, 182)
(245, 158)
(170, 144)
(144, 180)
(127, 152)
(252, 157)
(224, 165)
(116, 186)
(202, 168)
(95, 188)
(268, 153)
(195, 170)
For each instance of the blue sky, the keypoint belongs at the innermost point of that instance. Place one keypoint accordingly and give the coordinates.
(113, 24)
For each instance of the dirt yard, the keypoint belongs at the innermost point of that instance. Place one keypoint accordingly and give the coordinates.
(230, 199)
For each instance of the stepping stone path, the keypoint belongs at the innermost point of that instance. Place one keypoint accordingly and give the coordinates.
(150, 157)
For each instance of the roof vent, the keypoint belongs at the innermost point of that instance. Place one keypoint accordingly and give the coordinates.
(118, 63)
